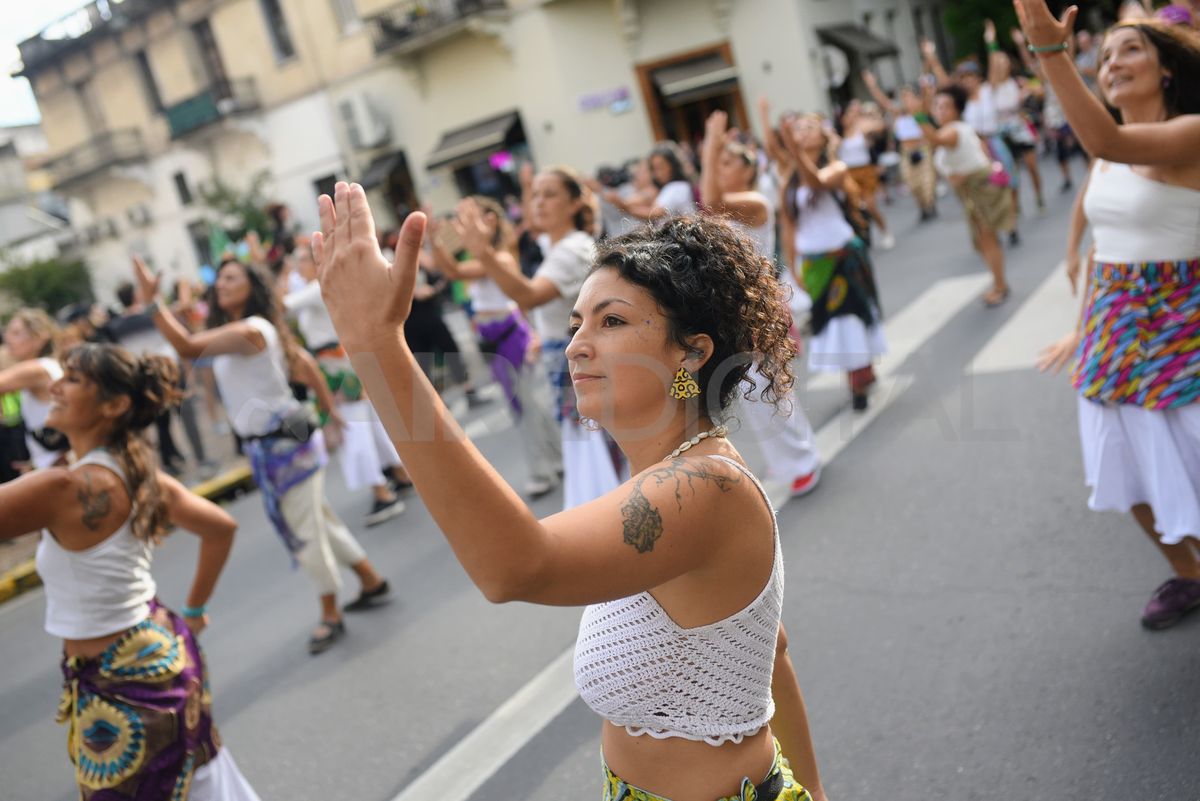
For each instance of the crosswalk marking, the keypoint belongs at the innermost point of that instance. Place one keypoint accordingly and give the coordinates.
(1045, 317)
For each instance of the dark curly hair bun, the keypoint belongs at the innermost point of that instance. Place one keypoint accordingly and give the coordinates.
(709, 279)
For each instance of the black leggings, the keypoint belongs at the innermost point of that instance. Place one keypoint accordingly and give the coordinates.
(429, 338)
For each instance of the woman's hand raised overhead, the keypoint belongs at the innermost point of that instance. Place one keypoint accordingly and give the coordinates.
(368, 299)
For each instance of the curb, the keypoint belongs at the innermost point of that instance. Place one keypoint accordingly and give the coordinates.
(227, 486)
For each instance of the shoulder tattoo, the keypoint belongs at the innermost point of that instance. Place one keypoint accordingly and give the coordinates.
(96, 505)
(642, 522)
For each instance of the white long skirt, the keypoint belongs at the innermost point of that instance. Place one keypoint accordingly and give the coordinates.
(1133, 455)
(784, 435)
(588, 470)
(844, 344)
(220, 780)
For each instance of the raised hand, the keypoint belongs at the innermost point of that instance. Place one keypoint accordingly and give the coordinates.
(367, 298)
(147, 282)
(1040, 26)
(929, 50)
(869, 78)
(1018, 38)
(989, 31)
(477, 234)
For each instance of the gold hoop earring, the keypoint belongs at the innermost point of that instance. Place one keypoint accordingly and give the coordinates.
(684, 387)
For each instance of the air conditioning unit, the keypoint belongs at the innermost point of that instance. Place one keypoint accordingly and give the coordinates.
(366, 126)
(140, 216)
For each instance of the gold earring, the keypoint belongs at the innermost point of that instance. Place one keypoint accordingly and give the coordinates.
(684, 387)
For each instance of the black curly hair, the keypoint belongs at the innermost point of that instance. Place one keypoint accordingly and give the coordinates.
(708, 278)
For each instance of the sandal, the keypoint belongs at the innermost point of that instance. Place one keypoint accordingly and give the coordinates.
(993, 298)
(368, 599)
(334, 630)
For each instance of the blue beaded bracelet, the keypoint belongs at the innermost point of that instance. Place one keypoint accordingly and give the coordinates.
(194, 611)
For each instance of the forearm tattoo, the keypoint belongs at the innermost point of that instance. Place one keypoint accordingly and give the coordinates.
(642, 522)
(96, 505)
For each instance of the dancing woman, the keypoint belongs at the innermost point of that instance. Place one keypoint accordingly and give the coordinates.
(728, 188)
(135, 697)
(1137, 351)
(559, 207)
(916, 157)
(671, 173)
(504, 335)
(697, 573)
(859, 130)
(253, 357)
(962, 157)
(830, 261)
(30, 337)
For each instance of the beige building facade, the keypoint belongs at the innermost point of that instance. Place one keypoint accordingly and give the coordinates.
(145, 101)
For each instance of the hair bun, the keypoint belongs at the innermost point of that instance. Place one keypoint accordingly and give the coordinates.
(157, 391)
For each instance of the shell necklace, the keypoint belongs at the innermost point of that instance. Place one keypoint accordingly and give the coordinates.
(715, 431)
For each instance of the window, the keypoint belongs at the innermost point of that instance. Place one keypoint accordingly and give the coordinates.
(181, 187)
(347, 15)
(277, 29)
(324, 186)
(148, 82)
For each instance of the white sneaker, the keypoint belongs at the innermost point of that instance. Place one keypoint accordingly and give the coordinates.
(886, 241)
(538, 487)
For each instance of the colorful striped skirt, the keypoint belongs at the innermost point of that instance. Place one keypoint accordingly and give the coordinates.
(139, 716)
(1141, 335)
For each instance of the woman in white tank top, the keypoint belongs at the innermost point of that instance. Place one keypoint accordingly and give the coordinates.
(854, 150)
(135, 696)
(254, 358)
(728, 187)
(1136, 351)
(685, 550)
(30, 339)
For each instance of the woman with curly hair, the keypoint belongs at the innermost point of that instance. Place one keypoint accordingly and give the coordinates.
(1136, 345)
(135, 697)
(31, 338)
(679, 649)
(830, 261)
(254, 356)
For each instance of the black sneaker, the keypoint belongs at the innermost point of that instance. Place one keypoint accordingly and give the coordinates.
(475, 400)
(397, 486)
(368, 599)
(858, 401)
(383, 510)
(334, 631)
(1014, 238)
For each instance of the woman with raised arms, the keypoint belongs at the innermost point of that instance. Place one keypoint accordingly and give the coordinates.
(685, 553)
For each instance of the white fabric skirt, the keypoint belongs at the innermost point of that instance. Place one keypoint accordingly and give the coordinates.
(845, 344)
(588, 470)
(220, 780)
(1133, 455)
(366, 447)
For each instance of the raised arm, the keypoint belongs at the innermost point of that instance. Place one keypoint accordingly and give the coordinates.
(215, 528)
(772, 140)
(879, 95)
(934, 64)
(748, 208)
(237, 337)
(28, 375)
(995, 74)
(575, 557)
(1168, 143)
(832, 176)
(500, 266)
(918, 107)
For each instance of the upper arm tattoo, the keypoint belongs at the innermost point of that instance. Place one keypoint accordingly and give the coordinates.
(96, 505)
(642, 522)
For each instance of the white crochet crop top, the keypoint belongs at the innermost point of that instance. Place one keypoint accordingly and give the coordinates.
(637, 668)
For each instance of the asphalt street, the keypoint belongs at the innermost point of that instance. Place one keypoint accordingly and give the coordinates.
(963, 626)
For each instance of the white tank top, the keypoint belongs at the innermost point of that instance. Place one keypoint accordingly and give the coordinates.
(488, 298)
(1138, 219)
(99, 591)
(855, 151)
(822, 226)
(34, 413)
(907, 128)
(254, 388)
(635, 667)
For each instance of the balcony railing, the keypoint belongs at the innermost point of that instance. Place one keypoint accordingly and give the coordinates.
(219, 101)
(411, 24)
(108, 149)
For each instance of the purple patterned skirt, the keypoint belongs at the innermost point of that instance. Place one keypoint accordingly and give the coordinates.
(139, 718)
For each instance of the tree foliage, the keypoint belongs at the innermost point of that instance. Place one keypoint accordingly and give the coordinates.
(48, 284)
(964, 20)
(240, 211)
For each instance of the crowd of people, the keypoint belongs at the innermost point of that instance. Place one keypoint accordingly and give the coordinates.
(625, 322)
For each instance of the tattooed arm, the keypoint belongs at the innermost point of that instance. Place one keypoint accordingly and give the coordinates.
(80, 506)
